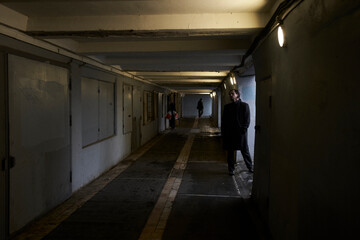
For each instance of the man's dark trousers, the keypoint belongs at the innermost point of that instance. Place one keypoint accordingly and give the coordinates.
(231, 158)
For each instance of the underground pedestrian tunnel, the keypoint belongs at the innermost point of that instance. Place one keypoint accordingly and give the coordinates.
(87, 151)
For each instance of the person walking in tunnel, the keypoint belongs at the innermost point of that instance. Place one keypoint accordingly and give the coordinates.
(172, 115)
(200, 107)
(234, 125)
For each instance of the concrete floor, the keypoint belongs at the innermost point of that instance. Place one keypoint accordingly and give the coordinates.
(175, 187)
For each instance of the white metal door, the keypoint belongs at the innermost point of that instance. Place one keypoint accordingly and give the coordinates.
(159, 112)
(89, 108)
(106, 110)
(128, 111)
(137, 118)
(39, 138)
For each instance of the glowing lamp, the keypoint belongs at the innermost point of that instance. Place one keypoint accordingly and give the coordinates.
(281, 37)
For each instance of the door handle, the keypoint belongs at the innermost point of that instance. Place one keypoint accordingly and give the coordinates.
(12, 163)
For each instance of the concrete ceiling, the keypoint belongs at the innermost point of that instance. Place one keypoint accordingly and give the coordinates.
(187, 46)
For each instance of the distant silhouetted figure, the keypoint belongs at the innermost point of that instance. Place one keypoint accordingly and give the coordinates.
(234, 125)
(172, 115)
(200, 107)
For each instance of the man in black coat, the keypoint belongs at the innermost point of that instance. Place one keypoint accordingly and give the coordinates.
(234, 124)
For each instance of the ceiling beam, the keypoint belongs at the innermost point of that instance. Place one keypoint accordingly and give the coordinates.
(187, 81)
(175, 60)
(172, 68)
(183, 74)
(118, 35)
(239, 21)
(194, 91)
(13, 18)
(159, 78)
(237, 46)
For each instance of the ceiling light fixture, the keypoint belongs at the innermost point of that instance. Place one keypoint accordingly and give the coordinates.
(281, 36)
(232, 79)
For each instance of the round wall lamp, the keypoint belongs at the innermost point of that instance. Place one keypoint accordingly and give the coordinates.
(232, 79)
(281, 37)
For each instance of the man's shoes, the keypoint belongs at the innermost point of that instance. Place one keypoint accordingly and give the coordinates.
(231, 173)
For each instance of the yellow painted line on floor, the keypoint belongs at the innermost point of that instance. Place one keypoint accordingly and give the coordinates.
(157, 220)
(43, 226)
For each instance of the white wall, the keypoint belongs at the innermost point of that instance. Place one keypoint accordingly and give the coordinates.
(161, 112)
(315, 144)
(247, 89)
(216, 108)
(91, 161)
(87, 163)
(190, 103)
